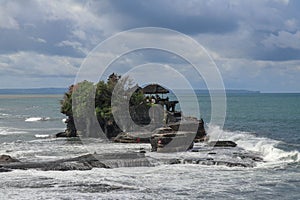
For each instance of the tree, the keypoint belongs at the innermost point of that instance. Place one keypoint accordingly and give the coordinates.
(87, 107)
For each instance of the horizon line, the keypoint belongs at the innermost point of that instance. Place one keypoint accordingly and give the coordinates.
(199, 89)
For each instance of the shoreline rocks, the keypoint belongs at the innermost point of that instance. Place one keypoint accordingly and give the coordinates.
(84, 162)
(204, 155)
(222, 143)
(4, 159)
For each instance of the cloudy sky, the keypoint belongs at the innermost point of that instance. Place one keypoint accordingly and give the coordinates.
(255, 43)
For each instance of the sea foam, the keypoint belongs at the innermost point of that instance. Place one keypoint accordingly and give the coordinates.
(35, 119)
(249, 141)
(9, 131)
(42, 135)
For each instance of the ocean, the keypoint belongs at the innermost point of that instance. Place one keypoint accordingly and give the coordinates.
(268, 124)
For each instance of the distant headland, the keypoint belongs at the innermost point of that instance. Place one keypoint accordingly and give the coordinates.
(28, 91)
(63, 90)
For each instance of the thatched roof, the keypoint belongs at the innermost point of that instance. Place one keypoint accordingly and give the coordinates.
(155, 89)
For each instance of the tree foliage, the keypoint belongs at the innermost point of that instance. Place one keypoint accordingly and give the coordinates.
(66, 103)
(85, 105)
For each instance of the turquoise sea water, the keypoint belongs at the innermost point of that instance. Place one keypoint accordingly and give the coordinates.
(17, 110)
(275, 116)
(265, 123)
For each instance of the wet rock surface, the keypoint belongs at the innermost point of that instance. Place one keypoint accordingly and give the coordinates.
(85, 162)
(202, 154)
(3, 169)
(133, 137)
(224, 143)
(7, 159)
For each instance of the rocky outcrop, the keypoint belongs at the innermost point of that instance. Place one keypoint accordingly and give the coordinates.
(211, 161)
(85, 162)
(167, 140)
(204, 155)
(2, 169)
(71, 129)
(133, 137)
(189, 126)
(222, 143)
(179, 136)
(61, 134)
(4, 159)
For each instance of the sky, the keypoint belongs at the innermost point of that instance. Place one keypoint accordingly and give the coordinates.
(254, 43)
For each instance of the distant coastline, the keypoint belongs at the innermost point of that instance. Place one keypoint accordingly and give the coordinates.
(59, 91)
(34, 91)
(227, 91)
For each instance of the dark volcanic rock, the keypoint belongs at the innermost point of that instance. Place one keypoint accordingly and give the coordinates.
(191, 125)
(167, 140)
(85, 162)
(66, 166)
(130, 159)
(2, 169)
(222, 143)
(7, 159)
(133, 137)
(219, 162)
(61, 134)
(231, 157)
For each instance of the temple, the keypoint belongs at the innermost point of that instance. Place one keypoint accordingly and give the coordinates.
(169, 127)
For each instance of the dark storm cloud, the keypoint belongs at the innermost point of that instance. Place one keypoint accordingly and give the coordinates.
(51, 38)
(262, 48)
(276, 54)
(163, 14)
(216, 18)
(40, 37)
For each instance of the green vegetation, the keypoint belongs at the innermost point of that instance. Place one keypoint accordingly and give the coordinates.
(86, 108)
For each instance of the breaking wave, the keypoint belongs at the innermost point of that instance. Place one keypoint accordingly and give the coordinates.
(4, 131)
(42, 135)
(249, 141)
(4, 115)
(9, 131)
(36, 119)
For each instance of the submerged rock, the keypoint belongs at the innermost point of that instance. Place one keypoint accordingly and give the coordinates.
(2, 169)
(7, 159)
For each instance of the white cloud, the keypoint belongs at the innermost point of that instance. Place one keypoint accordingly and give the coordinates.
(291, 24)
(32, 64)
(74, 44)
(84, 20)
(285, 2)
(7, 16)
(39, 40)
(284, 39)
(257, 27)
(240, 73)
(79, 34)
